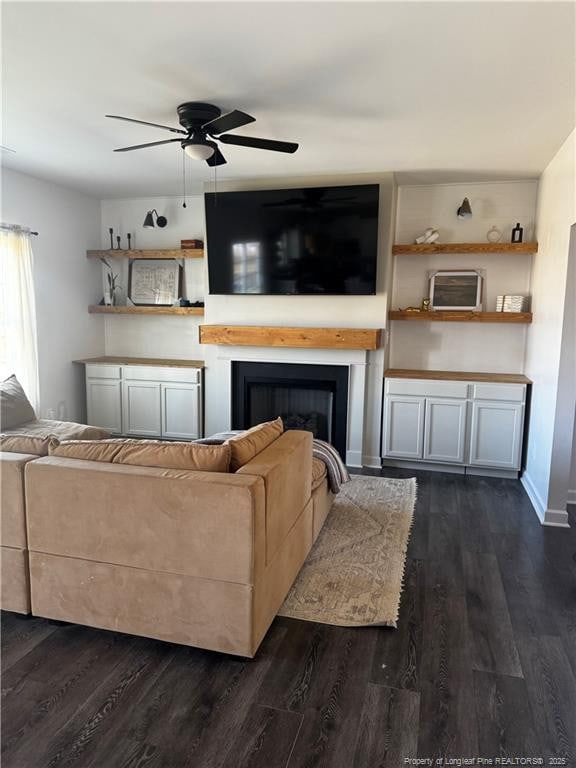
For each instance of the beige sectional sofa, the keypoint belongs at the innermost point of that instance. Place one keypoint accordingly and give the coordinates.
(194, 557)
(18, 446)
(15, 590)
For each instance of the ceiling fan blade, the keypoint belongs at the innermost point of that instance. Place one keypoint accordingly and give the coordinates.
(252, 141)
(150, 144)
(143, 122)
(228, 122)
(216, 159)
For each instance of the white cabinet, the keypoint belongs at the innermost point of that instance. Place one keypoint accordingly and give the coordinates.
(475, 425)
(404, 426)
(181, 410)
(496, 434)
(141, 408)
(145, 401)
(104, 403)
(445, 430)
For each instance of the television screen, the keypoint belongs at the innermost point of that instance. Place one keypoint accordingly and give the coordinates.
(317, 240)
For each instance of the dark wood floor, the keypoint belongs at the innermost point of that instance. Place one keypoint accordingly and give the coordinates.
(483, 664)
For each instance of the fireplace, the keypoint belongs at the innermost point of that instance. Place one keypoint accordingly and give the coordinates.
(309, 397)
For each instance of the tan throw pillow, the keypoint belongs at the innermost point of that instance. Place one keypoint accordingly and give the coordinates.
(30, 444)
(149, 453)
(15, 408)
(253, 441)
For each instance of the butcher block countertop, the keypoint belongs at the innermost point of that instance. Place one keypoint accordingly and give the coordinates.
(156, 362)
(497, 378)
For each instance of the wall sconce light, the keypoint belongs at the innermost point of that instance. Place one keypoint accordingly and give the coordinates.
(161, 221)
(464, 211)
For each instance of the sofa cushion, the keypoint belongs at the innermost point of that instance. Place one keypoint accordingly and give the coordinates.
(88, 450)
(31, 444)
(319, 472)
(148, 453)
(15, 408)
(63, 430)
(252, 442)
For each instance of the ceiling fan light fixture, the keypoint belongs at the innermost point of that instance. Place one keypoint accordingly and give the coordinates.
(199, 150)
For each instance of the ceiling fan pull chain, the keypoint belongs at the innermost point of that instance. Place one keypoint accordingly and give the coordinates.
(184, 178)
(215, 183)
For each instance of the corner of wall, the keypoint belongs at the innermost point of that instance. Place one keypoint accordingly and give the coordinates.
(557, 518)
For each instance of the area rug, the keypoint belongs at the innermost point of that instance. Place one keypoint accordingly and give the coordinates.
(353, 574)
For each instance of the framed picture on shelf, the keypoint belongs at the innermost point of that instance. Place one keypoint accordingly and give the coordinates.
(154, 282)
(456, 289)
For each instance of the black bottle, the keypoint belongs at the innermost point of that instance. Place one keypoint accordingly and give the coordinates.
(517, 234)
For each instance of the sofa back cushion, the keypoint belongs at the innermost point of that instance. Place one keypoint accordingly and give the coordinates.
(30, 444)
(148, 453)
(252, 442)
(15, 408)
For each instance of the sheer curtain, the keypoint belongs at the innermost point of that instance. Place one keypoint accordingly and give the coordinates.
(18, 343)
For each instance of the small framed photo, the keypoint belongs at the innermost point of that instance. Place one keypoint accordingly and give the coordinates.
(460, 289)
(155, 282)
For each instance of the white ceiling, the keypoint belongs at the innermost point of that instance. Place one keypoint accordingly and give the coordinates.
(448, 90)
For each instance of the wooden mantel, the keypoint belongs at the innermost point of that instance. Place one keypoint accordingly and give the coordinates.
(278, 336)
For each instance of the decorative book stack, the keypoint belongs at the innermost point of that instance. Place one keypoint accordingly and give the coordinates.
(510, 303)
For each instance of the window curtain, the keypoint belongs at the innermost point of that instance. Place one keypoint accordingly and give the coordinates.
(18, 341)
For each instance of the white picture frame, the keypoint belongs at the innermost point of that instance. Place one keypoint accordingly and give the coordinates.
(457, 289)
(154, 282)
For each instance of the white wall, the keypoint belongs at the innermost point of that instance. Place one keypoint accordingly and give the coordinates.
(572, 484)
(461, 346)
(178, 336)
(65, 283)
(551, 339)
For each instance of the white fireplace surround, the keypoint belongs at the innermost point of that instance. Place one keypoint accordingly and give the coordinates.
(357, 361)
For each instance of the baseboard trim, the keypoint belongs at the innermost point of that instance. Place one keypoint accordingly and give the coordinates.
(571, 497)
(426, 466)
(505, 474)
(373, 462)
(354, 459)
(556, 518)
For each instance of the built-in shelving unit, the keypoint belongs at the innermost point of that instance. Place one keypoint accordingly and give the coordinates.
(456, 316)
(166, 253)
(423, 248)
(101, 309)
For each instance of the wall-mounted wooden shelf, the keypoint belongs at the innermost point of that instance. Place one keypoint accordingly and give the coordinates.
(424, 248)
(306, 338)
(170, 253)
(100, 309)
(456, 316)
(499, 378)
(156, 362)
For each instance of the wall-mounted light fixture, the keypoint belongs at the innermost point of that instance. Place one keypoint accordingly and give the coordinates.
(464, 211)
(161, 221)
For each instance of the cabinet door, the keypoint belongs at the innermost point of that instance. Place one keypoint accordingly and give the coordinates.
(496, 434)
(141, 408)
(445, 430)
(181, 412)
(104, 404)
(403, 427)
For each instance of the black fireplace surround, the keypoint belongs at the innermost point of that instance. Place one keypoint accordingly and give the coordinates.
(312, 397)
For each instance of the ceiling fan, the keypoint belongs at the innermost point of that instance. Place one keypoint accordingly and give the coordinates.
(204, 122)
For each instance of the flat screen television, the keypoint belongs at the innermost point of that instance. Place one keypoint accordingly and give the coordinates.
(311, 241)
